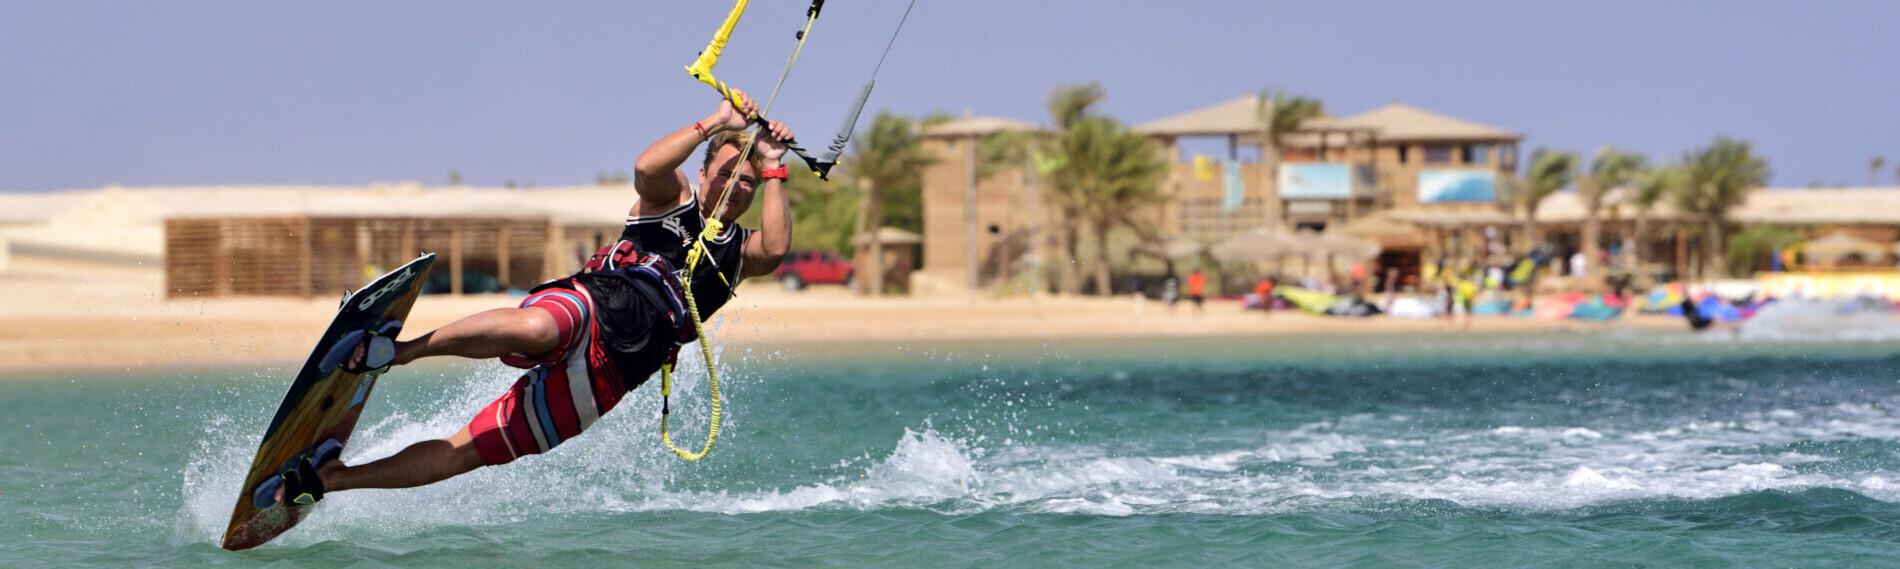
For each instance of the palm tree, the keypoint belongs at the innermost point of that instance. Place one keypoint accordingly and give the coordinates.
(1873, 170)
(1279, 115)
(1550, 171)
(1716, 180)
(1651, 186)
(1099, 172)
(1610, 169)
(1069, 105)
(887, 157)
(1070, 108)
(1106, 172)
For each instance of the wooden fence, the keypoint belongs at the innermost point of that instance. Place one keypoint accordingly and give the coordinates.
(312, 255)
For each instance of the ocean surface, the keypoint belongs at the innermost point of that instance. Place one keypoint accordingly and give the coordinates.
(1584, 449)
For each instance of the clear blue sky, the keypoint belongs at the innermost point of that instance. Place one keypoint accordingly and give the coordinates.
(348, 92)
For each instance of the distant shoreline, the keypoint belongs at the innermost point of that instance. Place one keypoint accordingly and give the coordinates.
(116, 322)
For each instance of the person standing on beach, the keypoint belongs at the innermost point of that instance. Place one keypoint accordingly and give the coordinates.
(590, 338)
(1171, 291)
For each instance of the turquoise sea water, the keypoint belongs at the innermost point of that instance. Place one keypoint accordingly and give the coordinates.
(1580, 449)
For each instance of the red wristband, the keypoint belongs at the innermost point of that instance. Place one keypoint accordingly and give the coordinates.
(701, 130)
(778, 173)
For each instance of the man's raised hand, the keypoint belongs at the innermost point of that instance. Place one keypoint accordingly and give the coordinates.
(730, 118)
(771, 146)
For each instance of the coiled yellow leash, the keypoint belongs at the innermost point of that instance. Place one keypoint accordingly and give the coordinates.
(701, 69)
(713, 227)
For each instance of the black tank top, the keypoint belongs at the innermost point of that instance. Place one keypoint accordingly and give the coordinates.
(670, 234)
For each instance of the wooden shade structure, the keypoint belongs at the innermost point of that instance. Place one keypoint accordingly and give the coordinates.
(304, 255)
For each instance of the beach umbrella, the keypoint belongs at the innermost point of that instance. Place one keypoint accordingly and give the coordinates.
(1836, 248)
(1262, 245)
(1172, 249)
(1343, 246)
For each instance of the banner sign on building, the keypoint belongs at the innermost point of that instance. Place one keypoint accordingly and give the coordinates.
(1323, 181)
(1234, 192)
(1451, 186)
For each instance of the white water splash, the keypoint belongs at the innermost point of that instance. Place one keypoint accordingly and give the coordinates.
(1823, 321)
(590, 473)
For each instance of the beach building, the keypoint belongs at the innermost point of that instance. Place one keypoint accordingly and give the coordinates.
(985, 224)
(1408, 185)
(1840, 229)
(314, 240)
(980, 227)
(1348, 178)
(303, 255)
(1333, 171)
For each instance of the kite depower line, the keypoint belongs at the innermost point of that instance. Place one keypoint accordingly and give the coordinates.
(702, 69)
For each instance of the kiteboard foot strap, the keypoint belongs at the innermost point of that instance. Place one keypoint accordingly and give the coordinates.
(298, 480)
(377, 350)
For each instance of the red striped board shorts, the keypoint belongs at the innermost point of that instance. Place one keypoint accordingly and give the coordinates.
(563, 392)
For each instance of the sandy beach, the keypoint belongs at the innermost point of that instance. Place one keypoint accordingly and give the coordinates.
(66, 316)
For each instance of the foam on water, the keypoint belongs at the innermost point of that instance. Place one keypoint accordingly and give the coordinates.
(1527, 468)
(1858, 320)
(614, 462)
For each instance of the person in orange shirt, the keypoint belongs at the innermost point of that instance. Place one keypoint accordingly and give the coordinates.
(1264, 290)
(1197, 288)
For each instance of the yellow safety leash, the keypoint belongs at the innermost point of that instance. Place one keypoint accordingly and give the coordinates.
(701, 69)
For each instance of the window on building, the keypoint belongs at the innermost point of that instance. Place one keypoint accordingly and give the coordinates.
(1475, 153)
(1402, 153)
(1438, 153)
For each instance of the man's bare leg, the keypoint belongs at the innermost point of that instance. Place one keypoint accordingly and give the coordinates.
(423, 463)
(484, 335)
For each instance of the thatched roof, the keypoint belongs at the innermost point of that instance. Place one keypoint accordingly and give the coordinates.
(1791, 206)
(1177, 248)
(1394, 122)
(1267, 245)
(131, 220)
(1235, 116)
(1404, 123)
(1261, 245)
(1381, 228)
(1835, 248)
(1451, 217)
(1816, 206)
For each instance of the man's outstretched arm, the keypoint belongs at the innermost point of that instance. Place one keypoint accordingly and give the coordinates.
(656, 175)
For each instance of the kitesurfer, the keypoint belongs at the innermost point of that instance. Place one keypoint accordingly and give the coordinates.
(590, 338)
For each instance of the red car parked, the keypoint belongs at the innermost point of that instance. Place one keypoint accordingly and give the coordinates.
(812, 267)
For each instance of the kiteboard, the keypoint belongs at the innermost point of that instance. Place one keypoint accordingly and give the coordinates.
(322, 404)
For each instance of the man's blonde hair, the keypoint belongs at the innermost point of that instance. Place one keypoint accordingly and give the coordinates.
(728, 138)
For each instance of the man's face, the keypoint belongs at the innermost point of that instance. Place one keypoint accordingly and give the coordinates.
(712, 180)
